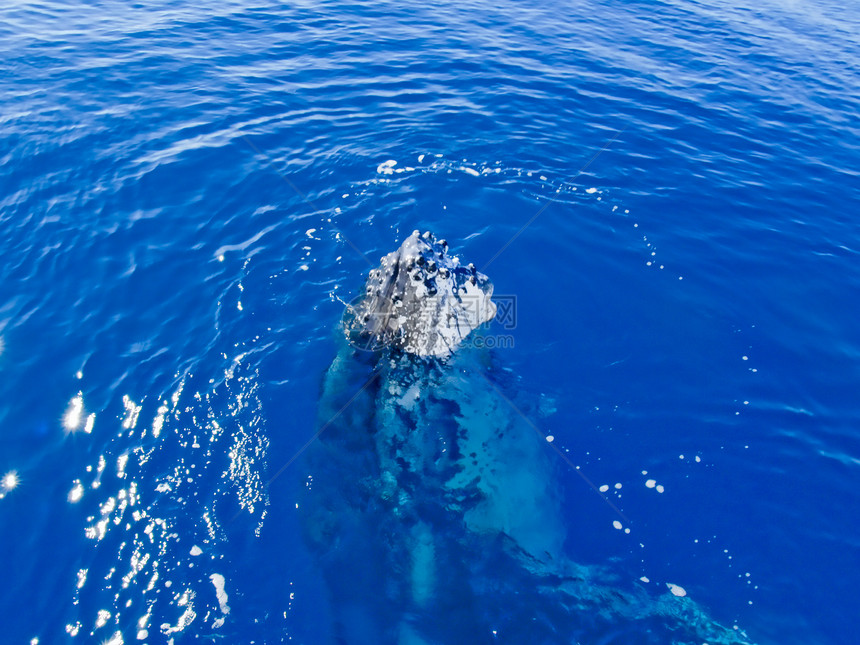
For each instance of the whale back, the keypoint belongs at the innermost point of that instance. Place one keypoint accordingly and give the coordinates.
(433, 504)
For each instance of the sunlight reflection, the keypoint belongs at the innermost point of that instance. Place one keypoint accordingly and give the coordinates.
(77, 492)
(132, 411)
(162, 466)
(9, 482)
(73, 419)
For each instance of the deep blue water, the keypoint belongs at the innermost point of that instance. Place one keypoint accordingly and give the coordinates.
(186, 193)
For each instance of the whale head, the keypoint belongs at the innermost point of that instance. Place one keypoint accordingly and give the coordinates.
(420, 300)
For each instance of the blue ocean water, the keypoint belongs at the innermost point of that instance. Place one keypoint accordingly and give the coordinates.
(188, 193)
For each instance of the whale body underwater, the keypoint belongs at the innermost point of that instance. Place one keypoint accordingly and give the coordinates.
(430, 506)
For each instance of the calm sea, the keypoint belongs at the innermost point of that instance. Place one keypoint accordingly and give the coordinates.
(671, 191)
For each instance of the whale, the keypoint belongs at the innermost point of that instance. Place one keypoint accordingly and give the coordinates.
(430, 504)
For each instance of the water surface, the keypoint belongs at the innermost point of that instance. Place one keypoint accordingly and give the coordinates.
(177, 189)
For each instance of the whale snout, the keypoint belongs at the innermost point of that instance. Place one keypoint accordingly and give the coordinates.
(420, 300)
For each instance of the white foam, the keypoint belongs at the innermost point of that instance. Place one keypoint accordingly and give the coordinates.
(651, 483)
(386, 167)
(676, 590)
(644, 579)
(218, 580)
(196, 550)
(591, 191)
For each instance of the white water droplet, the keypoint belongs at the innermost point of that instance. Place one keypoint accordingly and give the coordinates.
(676, 590)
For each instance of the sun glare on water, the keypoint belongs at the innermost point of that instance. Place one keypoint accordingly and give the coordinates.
(9, 482)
